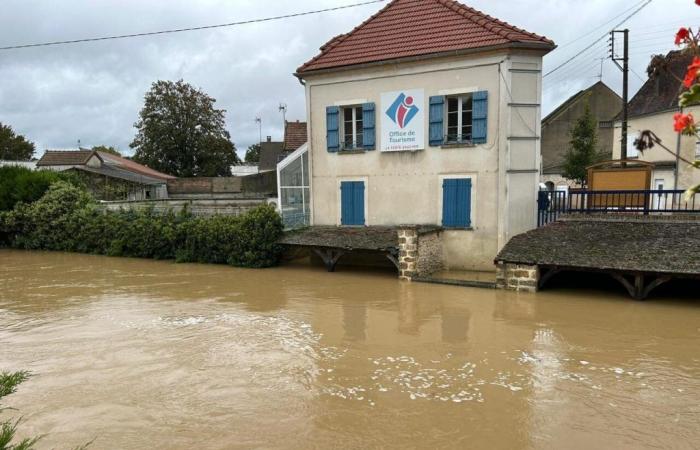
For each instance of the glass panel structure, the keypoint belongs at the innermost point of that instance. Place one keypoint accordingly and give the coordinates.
(294, 192)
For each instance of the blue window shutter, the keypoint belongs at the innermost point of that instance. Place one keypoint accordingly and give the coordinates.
(359, 203)
(345, 202)
(456, 203)
(352, 203)
(436, 112)
(368, 127)
(480, 108)
(332, 128)
(464, 203)
(449, 203)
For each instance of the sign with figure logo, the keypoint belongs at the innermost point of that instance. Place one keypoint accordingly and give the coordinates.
(403, 120)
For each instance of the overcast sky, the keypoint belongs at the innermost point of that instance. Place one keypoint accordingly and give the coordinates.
(93, 92)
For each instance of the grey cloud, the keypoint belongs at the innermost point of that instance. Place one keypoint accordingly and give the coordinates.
(93, 91)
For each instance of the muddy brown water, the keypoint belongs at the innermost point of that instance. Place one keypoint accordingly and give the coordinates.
(147, 354)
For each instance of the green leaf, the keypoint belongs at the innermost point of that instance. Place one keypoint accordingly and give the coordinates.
(691, 96)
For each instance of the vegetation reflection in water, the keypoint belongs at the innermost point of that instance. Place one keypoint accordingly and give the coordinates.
(137, 352)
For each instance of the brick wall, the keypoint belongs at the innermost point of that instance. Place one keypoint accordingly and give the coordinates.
(517, 277)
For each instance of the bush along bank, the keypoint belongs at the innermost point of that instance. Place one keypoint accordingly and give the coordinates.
(22, 185)
(67, 218)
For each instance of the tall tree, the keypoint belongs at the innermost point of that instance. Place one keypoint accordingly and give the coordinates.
(583, 150)
(252, 155)
(179, 132)
(107, 149)
(14, 147)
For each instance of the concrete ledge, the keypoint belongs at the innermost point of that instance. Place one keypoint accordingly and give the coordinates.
(450, 282)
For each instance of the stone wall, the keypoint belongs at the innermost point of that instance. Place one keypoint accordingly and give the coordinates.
(198, 207)
(262, 183)
(517, 277)
(420, 252)
(430, 258)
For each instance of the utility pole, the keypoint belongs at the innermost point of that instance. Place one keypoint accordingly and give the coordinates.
(625, 81)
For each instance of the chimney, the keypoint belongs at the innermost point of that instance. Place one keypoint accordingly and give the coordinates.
(269, 139)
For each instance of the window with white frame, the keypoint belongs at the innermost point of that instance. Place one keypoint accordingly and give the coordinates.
(352, 127)
(459, 119)
(697, 150)
(632, 151)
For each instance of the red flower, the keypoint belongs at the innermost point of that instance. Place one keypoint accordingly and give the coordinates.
(683, 34)
(693, 69)
(684, 122)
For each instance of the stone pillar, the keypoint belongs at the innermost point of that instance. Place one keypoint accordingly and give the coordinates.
(408, 253)
(517, 277)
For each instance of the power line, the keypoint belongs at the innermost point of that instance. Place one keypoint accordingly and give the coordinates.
(635, 12)
(180, 30)
(599, 27)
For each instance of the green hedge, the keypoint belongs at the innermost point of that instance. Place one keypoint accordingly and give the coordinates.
(22, 185)
(66, 218)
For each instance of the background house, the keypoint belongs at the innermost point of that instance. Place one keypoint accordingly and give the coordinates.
(605, 105)
(652, 108)
(428, 113)
(107, 176)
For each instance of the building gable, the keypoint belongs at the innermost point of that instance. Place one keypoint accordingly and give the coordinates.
(416, 28)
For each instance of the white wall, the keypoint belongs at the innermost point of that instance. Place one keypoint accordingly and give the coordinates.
(405, 187)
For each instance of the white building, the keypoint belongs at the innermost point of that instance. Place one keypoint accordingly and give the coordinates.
(427, 113)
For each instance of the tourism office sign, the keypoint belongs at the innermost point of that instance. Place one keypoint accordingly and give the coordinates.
(403, 120)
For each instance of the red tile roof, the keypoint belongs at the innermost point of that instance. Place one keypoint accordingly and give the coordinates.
(81, 158)
(294, 135)
(131, 166)
(65, 158)
(410, 28)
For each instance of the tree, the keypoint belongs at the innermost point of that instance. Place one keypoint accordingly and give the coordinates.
(583, 151)
(14, 147)
(179, 132)
(252, 155)
(105, 149)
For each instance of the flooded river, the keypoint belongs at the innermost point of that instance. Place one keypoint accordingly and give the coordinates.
(148, 354)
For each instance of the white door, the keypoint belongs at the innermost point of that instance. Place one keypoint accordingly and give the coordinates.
(659, 200)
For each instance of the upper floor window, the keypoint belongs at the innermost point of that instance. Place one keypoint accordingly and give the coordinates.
(632, 151)
(697, 150)
(459, 119)
(352, 127)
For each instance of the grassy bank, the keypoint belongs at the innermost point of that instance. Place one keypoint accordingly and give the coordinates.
(67, 218)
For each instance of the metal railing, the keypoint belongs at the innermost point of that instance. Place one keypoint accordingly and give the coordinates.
(552, 204)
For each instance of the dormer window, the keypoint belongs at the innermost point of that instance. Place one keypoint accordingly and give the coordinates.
(352, 127)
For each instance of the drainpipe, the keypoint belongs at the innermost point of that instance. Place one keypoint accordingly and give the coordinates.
(678, 159)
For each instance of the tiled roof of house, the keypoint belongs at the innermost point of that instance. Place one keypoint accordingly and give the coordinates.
(413, 28)
(81, 158)
(294, 135)
(65, 158)
(661, 90)
(131, 166)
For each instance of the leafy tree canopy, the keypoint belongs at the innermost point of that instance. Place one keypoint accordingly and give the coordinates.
(14, 147)
(179, 132)
(252, 155)
(583, 150)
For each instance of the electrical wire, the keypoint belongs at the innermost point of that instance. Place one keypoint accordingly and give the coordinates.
(634, 13)
(180, 30)
(599, 27)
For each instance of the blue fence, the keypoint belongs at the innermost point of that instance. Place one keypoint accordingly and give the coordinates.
(552, 204)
